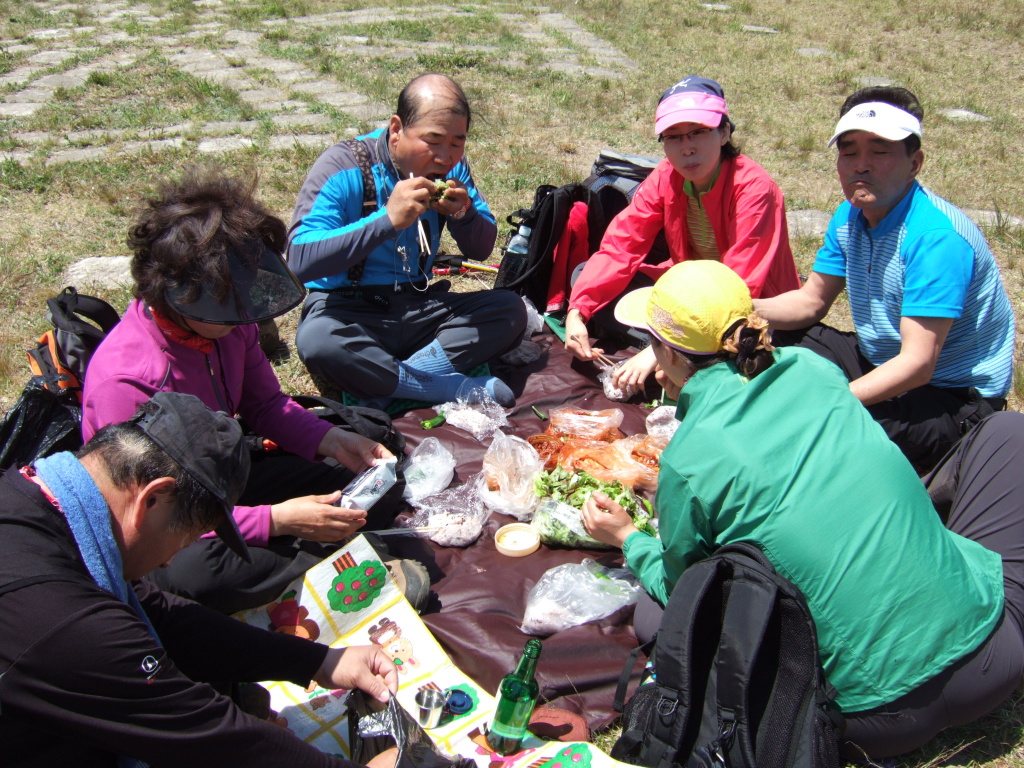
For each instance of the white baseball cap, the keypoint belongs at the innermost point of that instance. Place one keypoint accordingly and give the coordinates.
(880, 118)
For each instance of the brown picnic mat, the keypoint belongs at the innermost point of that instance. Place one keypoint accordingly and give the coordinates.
(479, 595)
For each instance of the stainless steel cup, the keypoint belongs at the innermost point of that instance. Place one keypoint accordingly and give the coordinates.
(430, 707)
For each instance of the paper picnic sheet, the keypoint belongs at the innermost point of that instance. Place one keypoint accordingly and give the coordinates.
(351, 599)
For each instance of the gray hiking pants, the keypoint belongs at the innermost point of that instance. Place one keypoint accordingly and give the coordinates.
(978, 488)
(355, 337)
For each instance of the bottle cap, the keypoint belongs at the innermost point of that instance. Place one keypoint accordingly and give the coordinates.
(459, 702)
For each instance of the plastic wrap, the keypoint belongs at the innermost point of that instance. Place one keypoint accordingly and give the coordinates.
(570, 595)
(455, 517)
(509, 468)
(371, 732)
(481, 417)
(561, 525)
(428, 470)
(612, 392)
(662, 422)
(592, 425)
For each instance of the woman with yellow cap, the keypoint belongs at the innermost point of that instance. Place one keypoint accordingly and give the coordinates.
(919, 613)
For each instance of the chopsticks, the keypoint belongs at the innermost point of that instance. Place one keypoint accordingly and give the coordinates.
(424, 240)
(607, 361)
(406, 531)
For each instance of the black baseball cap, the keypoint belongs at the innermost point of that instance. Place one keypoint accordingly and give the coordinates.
(260, 287)
(209, 446)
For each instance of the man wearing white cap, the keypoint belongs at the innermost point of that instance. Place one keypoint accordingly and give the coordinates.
(933, 349)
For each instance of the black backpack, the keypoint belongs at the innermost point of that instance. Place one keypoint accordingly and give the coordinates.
(47, 418)
(738, 681)
(80, 323)
(368, 422)
(612, 183)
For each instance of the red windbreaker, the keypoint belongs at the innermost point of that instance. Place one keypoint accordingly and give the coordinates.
(747, 213)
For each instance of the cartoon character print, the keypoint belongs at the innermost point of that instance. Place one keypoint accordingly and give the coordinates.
(356, 586)
(388, 635)
(495, 760)
(573, 756)
(320, 698)
(290, 618)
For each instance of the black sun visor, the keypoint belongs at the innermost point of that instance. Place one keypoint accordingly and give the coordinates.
(261, 287)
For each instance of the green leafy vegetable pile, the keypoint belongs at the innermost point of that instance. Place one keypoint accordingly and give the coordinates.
(573, 489)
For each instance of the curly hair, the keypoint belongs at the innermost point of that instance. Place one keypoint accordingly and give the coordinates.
(180, 236)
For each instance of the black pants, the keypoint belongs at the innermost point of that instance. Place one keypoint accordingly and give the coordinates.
(978, 489)
(210, 573)
(924, 422)
(603, 324)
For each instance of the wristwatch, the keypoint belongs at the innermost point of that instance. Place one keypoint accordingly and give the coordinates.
(462, 211)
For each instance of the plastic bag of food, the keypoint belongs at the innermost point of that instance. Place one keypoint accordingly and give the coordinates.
(641, 457)
(454, 517)
(662, 422)
(612, 392)
(570, 595)
(561, 525)
(478, 414)
(593, 425)
(573, 489)
(428, 470)
(609, 462)
(509, 468)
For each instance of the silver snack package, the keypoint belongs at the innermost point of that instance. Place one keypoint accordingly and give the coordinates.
(368, 486)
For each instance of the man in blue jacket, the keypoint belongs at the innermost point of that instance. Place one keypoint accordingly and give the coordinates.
(933, 350)
(365, 231)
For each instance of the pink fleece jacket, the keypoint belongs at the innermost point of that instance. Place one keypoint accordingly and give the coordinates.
(136, 361)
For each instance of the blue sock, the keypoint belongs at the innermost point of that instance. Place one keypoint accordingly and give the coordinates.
(433, 388)
(495, 387)
(431, 359)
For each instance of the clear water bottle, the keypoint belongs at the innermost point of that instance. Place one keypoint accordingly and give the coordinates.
(520, 242)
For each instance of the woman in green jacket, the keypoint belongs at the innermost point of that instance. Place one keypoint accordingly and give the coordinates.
(919, 620)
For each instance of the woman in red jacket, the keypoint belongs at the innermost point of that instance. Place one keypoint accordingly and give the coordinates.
(711, 202)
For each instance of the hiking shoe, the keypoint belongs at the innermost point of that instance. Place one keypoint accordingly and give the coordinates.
(253, 699)
(410, 576)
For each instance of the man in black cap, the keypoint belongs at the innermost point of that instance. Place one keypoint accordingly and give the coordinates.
(98, 669)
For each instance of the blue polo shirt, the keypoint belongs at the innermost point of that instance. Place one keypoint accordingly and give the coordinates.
(925, 259)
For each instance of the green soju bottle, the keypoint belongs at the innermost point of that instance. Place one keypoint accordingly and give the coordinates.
(517, 695)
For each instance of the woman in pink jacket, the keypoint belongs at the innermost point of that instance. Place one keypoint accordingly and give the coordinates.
(710, 201)
(207, 268)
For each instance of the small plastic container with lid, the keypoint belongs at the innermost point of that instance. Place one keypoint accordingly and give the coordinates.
(517, 540)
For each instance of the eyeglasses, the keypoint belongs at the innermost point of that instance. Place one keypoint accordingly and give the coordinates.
(678, 138)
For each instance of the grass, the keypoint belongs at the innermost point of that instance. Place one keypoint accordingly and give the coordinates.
(534, 124)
